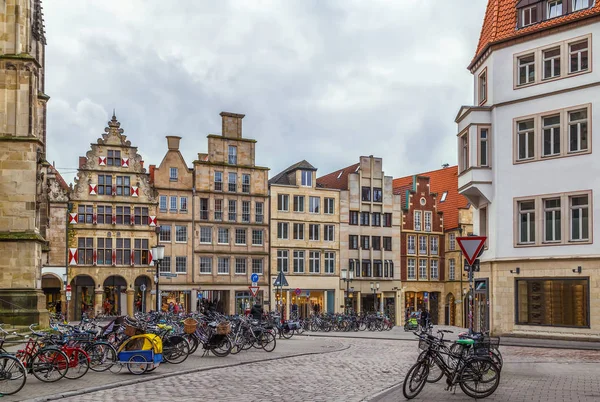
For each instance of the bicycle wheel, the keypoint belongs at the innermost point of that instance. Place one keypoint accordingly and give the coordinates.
(79, 364)
(267, 341)
(194, 342)
(435, 372)
(137, 365)
(176, 349)
(287, 333)
(102, 356)
(49, 365)
(415, 380)
(479, 377)
(497, 358)
(222, 348)
(12, 375)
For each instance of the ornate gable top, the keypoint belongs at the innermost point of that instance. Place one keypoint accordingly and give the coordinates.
(114, 134)
(37, 26)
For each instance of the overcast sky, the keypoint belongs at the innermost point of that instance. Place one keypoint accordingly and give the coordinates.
(325, 81)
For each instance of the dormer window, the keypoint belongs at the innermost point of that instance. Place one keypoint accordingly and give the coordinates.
(555, 8)
(307, 178)
(529, 16)
(580, 4)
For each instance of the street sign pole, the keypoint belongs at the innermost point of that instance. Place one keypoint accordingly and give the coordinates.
(472, 247)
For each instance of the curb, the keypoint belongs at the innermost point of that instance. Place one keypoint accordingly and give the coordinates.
(171, 374)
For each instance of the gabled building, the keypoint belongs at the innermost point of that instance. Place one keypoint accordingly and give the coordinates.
(522, 149)
(370, 224)
(305, 241)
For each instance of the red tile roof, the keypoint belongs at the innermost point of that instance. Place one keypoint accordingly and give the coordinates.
(500, 22)
(63, 184)
(337, 179)
(440, 181)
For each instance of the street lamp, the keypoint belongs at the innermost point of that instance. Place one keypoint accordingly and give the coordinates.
(158, 253)
(375, 288)
(347, 276)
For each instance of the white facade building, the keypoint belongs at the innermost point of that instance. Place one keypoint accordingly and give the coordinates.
(526, 163)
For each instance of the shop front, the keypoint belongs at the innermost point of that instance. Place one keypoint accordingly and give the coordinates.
(213, 300)
(181, 298)
(142, 299)
(306, 303)
(82, 296)
(419, 301)
(244, 301)
(114, 298)
(52, 286)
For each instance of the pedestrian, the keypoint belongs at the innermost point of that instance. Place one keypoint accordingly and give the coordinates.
(176, 308)
(424, 319)
(257, 311)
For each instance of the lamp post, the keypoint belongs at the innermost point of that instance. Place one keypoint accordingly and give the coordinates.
(375, 288)
(347, 276)
(158, 253)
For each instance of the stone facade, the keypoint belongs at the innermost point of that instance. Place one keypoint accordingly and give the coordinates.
(305, 242)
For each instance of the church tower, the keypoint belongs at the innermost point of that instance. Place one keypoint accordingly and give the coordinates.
(22, 161)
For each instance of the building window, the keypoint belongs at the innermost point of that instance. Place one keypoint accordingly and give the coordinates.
(580, 4)
(464, 152)
(282, 230)
(240, 236)
(123, 186)
(218, 210)
(246, 211)
(223, 266)
(329, 262)
(411, 272)
(173, 204)
(173, 174)
(259, 208)
(433, 268)
(85, 214)
(434, 245)
(104, 214)
(552, 220)
(240, 266)
(283, 202)
(232, 155)
(388, 269)
(232, 182)
(141, 252)
(452, 242)
(418, 220)
(140, 215)
(183, 204)
(245, 183)
(483, 225)
(364, 242)
(377, 195)
(123, 216)
(257, 237)
(482, 87)
(329, 232)
(525, 140)
(526, 69)
(527, 222)
(163, 203)
(553, 302)
(232, 210)
(313, 232)
(551, 135)
(165, 234)
(578, 131)
(353, 242)
(375, 219)
(314, 262)
(366, 269)
(484, 159)
(551, 59)
(165, 265)
(422, 244)
(353, 218)
(123, 252)
(205, 234)
(298, 231)
(554, 8)
(181, 234)
(203, 209)
(181, 265)
(282, 261)
(387, 243)
(298, 203)
(364, 219)
(206, 265)
(218, 181)
(387, 220)
(298, 262)
(104, 184)
(423, 269)
(366, 193)
(223, 237)
(529, 16)
(85, 250)
(428, 221)
(377, 269)
(376, 242)
(451, 269)
(257, 266)
(307, 178)
(410, 242)
(113, 158)
(314, 205)
(579, 220)
(329, 206)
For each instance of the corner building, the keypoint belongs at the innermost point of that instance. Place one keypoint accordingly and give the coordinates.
(526, 163)
(370, 224)
(231, 229)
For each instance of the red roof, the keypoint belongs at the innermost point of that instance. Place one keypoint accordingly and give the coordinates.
(440, 181)
(500, 23)
(338, 179)
(63, 184)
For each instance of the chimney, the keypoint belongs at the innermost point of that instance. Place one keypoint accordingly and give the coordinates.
(231, 124)
(173, 142)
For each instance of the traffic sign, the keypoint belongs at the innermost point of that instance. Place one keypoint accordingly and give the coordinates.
(253, 290)
(254, 278)
(298, 291)
(471, 247)
(68, 294)
(475, 266)
(143, 287)
(68, 288)
(281, 281)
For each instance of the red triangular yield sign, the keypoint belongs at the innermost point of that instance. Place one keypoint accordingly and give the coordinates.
(254, 290)
(471, 246)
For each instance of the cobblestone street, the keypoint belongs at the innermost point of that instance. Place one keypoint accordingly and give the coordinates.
(349, 370)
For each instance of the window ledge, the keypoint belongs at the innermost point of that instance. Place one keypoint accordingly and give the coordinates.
(205, 273)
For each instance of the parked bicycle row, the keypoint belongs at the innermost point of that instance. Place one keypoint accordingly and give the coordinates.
(345, 323)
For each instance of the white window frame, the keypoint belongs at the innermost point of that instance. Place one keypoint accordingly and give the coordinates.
(428, 220)
(434, 245)
(241, 266)
(329, 232)
(580, 4)
(554, 61)
(218, 181)
(283, 230)
(580, 209)
(528, 12)
(232, 210)
(283, 261)
(257, 237)
(232, 182)
(173, 174)
(306, 178)
(434, 270)
(223, 265)
(551, 129)
(163, 203)
(525, 133)
(299, 203)
(204, 230)
(530, 213)
(329, 206)
(173, 203)
(259, 210)
(314, 232)
(283, 202)
(314, 205)
(245, 183)
(299, 257)
(411, 271)
(482, 86)
(554, 5)
(314, 262)
(411, 240)
(579, 124)
(181, 265)
(258, 265)
(423, 269)
(484, 151)
(529, 68)
(232, 155)
(163, 237)
(239, 233)
(181, 234)
(298, 231)
(329, 257)
(165, 265)
(452, 242)
(556, 219)
(205, 265)
(451, 269)
(417, 220)
(423, 246)
(183, 203)
(219, 209)
(222, 233)
(246, 211)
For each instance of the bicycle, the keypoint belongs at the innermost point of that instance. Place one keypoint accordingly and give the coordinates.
(13, 374)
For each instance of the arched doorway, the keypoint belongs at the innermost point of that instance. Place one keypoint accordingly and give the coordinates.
(52, 285)
(142, 300)
(82, 289)
(450, 309)
(114, 299)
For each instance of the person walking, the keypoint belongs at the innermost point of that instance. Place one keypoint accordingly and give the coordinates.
(257, 311)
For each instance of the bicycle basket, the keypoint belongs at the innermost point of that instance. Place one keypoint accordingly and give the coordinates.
(423, 344)
(223, 328)
(482, 347)
(189, 325)
(130, 330)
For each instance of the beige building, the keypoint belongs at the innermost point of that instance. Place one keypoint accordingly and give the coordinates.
(113, 228)
(174, 182)
(305, 242)
(231, 237)
(370, 221)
